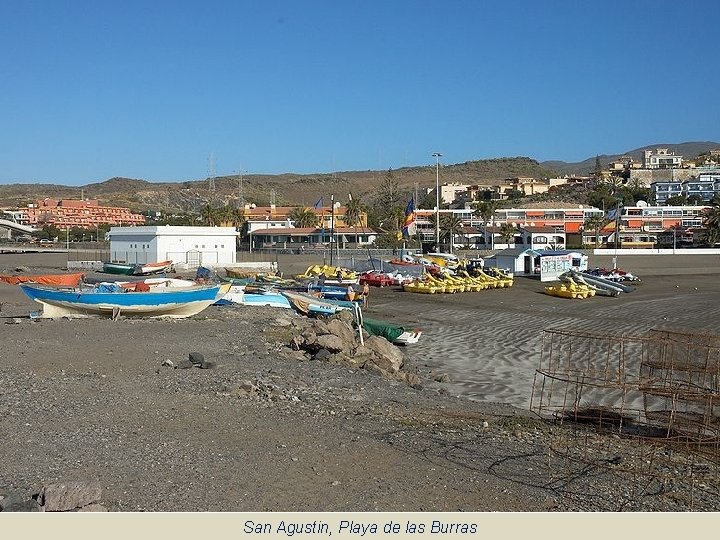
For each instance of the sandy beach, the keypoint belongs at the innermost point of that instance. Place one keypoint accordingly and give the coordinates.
(92, 399)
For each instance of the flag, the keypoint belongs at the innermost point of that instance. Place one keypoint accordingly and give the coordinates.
(612, 214)
(409, 218)
(319, 203)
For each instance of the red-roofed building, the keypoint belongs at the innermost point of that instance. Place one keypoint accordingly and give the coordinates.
(67, 213)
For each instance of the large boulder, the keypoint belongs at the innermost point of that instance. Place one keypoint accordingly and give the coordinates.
(342, 329)
(333, 343)
(65, 496)
(383, 354)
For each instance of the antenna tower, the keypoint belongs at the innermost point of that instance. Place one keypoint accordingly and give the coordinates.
(272, 197)
(241, 193)
(211, 173)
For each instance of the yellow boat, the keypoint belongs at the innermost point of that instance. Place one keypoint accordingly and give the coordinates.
(419, 287)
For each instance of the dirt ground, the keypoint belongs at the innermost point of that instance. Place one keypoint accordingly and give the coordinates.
(91, 398)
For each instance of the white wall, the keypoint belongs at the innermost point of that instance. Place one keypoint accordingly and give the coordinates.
(187, 245)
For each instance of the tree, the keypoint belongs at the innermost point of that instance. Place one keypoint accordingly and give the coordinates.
(711, 217)
(676, 200)
(711, 237)
(507, 232)
(303, 217)
(711, 222)
(353, 214)
(595, 223)
(388, 205)
(450, 226)
(598, 172)
(486, 211)
(208, 215)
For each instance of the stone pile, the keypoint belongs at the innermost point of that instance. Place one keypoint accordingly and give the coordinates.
(336, 341)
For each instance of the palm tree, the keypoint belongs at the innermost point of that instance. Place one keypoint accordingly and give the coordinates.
(486, 211)
(711, 217)
(208, 215)
(450, 227)
(353, 213)
(303, 217)
(507, 232)
(595, 223)
(711, 237)
(711, 222)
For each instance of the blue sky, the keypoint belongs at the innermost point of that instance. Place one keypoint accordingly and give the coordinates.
(151, 89)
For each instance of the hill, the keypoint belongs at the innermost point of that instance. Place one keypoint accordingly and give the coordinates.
(688, 150)
(295, 189)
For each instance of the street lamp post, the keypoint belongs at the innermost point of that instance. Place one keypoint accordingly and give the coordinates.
(332, 225)
(437, 156)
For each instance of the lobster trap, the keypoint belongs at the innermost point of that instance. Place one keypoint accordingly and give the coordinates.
(660, 387)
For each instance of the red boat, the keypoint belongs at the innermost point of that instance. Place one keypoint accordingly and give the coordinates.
(376, 279)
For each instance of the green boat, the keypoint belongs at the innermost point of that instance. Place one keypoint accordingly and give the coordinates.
(392, 332)
(119, 268)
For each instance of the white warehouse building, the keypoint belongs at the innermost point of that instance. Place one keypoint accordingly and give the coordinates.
(193, 246)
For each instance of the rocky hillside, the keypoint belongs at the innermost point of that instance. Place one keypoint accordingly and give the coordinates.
(287, 189)
(292, 189)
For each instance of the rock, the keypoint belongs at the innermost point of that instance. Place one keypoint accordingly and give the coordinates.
(169, 363)
(320, 327)
(342, 330)
(443, 378)
(372, 367)
(22, 269)
(283, 321)
(322, 354)
(14, 501)
(333, 343)
(184, 364)
(196, 358)
(65, 496)
(297, 342)
(410, 378)
(382, 353)
(244, 387)
(207, 365)
(309, 340)
(13, 321)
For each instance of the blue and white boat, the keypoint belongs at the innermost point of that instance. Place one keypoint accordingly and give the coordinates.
(113, 300)
(311, 305)
(257, 296)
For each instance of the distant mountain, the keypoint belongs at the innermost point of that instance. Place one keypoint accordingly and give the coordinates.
(297, 189)
(688, 150)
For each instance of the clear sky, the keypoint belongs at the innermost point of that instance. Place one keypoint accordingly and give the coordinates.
(152, 89)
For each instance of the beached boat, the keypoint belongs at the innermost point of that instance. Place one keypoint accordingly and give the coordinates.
(126, 269)
(63, 280)
(253, 296)
(334, 292)
(376, 279)
(421, 287)
(152, 268)
(113, 300)
(311, 305)
(118, 268)
(394, 333)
